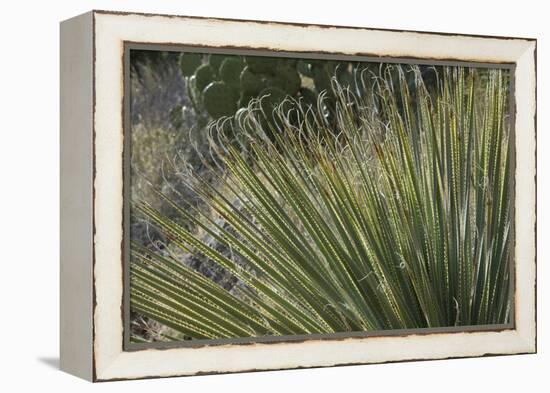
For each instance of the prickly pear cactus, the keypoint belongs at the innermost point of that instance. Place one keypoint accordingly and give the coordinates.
(215, 61)
(251, 83)
(261, 65)
(221, 84)
(220, 99)
(189, 62)
(204, 75)
(230, 71)
(287, 79)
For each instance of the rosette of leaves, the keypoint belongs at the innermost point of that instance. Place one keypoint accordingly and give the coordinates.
(402, 221)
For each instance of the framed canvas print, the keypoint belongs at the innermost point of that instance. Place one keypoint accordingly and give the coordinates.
(244, 195)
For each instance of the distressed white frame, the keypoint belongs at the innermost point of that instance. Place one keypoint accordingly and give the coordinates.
(109, 361)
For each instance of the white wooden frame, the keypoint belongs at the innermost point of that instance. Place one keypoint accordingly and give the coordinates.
(92, 47)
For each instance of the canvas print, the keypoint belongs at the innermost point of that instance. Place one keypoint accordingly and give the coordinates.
(272, 195)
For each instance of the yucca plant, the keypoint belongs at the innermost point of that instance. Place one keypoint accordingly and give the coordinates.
(396, 217)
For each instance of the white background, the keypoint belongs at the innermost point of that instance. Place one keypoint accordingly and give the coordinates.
(29, 197)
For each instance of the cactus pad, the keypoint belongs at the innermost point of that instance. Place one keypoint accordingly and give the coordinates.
(220, 99)
(251, 83)
(215, 61)
(204, 75)
(189, 62)
(287, 79)
(230, 71)
(261, 65)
